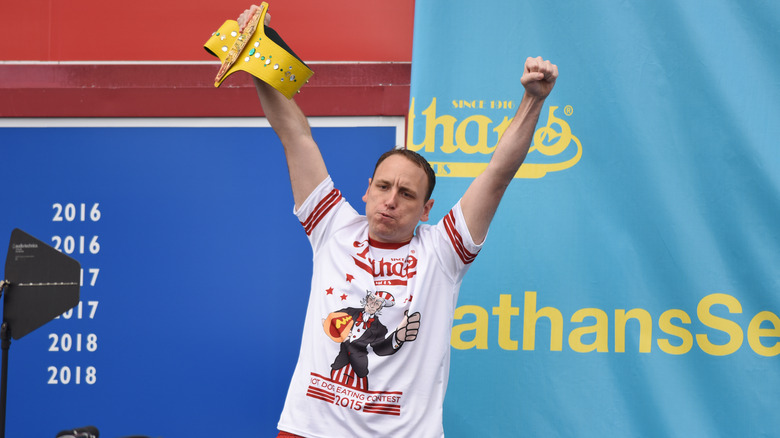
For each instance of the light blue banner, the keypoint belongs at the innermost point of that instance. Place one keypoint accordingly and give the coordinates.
(630, 285)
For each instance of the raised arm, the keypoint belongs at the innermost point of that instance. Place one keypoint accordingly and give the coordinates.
(304, 160)
(481, 199)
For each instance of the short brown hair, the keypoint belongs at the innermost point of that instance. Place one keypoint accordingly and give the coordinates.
(415, 158)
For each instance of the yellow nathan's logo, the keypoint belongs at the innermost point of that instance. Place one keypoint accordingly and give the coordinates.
(467, 144)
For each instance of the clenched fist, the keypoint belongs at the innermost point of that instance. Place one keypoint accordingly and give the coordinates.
(539, 77)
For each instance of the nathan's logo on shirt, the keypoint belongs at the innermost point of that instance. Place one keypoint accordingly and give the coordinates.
(387, 272)
(462, 147)
(395, 271)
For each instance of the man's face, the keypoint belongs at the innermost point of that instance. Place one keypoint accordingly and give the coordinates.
(372, 304)
(395, 200)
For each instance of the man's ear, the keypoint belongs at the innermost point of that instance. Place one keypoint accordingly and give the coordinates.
(426, 210)
(365, 196)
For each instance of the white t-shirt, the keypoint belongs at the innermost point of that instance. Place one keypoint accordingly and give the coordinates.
(352, 377)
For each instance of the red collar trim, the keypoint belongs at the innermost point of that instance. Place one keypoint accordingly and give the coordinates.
(387, 245)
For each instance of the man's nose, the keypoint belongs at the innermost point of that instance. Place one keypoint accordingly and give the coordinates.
(392, 198)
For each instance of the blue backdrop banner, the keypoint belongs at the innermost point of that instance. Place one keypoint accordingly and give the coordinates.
(630, 285)
(188, 248)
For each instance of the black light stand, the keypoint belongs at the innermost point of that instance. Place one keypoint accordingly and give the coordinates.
(5, 344)
(40, 284)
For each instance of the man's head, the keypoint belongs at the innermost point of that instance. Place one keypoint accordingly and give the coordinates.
(376, 301)
(415, 158)
(398, 195)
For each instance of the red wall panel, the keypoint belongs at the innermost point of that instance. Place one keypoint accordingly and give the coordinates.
(175, 30)
(360, 51)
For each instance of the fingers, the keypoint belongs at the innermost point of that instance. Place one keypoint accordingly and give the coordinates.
(413, 326)
(245, 16)
(409, 327)
(411, 331)
(540, 69)
(539, 77)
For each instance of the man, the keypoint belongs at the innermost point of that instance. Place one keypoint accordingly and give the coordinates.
(421, 267)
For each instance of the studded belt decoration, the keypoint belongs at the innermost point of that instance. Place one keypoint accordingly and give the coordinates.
(259, 51)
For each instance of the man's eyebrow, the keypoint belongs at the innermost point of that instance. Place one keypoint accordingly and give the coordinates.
(401, 187)
(408, 189)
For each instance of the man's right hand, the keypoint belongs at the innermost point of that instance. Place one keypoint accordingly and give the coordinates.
(304, 160)
(247, 15)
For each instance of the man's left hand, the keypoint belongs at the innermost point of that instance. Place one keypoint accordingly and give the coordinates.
(539, 77)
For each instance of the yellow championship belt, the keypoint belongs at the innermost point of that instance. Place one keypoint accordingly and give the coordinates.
(259, 51)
